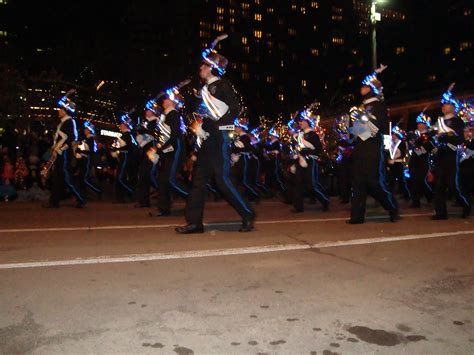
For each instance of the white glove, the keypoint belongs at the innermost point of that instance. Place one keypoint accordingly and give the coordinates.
(239, 144)
(202, 134)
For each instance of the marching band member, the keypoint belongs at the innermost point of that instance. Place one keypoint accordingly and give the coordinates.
(307, 166)
(449, 138)
(272, 156)
(146, 139)
(85, 154)
(125, 149)
(368, 174)
(242, 155)
(344, 157)
(171, 151)
(420, 147)
(466, 167)
(65, 140)
(397, 154)
(213, 157)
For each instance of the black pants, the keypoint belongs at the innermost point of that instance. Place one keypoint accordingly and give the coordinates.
(396, 178)
(419, 166)
(368, 176)
(85, 179)
(214, 160)
(447, 179)
(61, 178)
(245, 171)
(123, 187)
(146, 179)
(466, 171)
(344, 171)
(168, 169)
(307, 179)
(273, 174)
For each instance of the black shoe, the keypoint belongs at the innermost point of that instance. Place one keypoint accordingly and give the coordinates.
(439, 217)
(247, 225)
(394, 216)
(466, 212)
(190, 229)
(49, 205)
(296, 210)
(354, 221)
(159, 214)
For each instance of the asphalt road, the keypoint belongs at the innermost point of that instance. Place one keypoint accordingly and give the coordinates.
(108, 279)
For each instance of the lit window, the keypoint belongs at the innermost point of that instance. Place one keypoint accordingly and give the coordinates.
(258, 17)
(314, 4)
(315, 28)
(337, 40)
(282, 63)
(220, 10)
(465, 45)
(270, 10)
(245, 6)
(3, 33)
(231, 11)
(314, 52)
(281, 97)
(244, 40)
(231, 20)
(257, 34)
(431, 77)
(245, 76)
(303, 10)
(269, 79)
(292, 32)
(247, 49)
(447, 50)
(293, 7)
(399, 50)
(304, 83)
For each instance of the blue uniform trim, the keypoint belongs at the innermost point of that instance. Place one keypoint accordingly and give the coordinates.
(405, 182)
(458, 188)
(86, 176)
(174, 168)
(277, 174)
(315, 180)
(257, 176)
(426, 176)
(153, 180)
(244, 178)
(67, 178)
(382, 178)
(226, 172)
(120, 175)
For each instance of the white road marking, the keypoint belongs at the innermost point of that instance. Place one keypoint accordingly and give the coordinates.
(155, 226)
(227, 252)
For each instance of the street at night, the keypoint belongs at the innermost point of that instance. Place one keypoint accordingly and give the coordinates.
(118, 281)
(237, 177)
